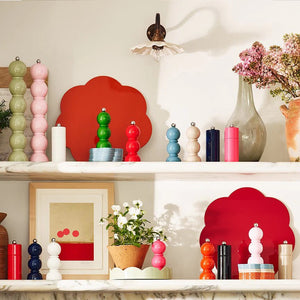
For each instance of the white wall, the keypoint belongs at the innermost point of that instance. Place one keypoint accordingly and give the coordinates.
(79, 40)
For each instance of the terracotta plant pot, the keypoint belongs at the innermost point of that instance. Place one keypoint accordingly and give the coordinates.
(126, 256)
(292, 128)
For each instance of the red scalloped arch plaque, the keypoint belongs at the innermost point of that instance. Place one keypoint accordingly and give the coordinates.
(230, 219)
(81, 104)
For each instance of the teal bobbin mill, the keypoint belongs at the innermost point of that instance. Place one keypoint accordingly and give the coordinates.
(17, 105)
(103, 132)
(173, 148)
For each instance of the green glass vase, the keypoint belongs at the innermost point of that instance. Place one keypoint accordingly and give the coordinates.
(252, 131)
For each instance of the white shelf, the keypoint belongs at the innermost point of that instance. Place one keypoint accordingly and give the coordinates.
(119, 286)
(99, 171)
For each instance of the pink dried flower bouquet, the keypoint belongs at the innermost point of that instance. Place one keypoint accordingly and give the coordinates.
(278, 68)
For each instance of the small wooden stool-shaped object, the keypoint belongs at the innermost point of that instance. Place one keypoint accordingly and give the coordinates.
(34, 262)
(39, 108)
(255, 248)
(53, 262)
(132, 145)
(192, 147)
(17, 105)
(207, 263)
(103, 132)
(173, 148)
(158, 248)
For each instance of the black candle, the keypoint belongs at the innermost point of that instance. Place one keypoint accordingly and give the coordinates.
(224, 261)
(213, 144)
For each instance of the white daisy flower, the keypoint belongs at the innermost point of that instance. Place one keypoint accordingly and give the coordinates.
(116, 207)
(122, 221)
(130, 228)
(137, 203)
(134, 212)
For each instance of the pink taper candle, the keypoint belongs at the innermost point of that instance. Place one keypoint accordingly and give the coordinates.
(39, 108)
(158, 260)
(231, 144)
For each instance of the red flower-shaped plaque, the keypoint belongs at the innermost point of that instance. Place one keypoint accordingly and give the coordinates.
(81, 104)
(230, 218)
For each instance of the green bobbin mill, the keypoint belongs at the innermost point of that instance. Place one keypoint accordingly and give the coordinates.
(103, 132)
(17, 105)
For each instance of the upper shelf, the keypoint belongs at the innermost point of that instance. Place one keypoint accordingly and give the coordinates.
(99, 171)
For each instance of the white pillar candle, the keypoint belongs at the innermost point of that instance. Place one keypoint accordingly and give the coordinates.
(58, 143)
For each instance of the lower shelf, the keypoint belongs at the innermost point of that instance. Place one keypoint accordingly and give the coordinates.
(185, 286)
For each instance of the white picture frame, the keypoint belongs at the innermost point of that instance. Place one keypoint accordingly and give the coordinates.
(68, 205)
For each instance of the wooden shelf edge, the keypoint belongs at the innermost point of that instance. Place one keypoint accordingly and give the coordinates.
(177, 285)
(98, 171)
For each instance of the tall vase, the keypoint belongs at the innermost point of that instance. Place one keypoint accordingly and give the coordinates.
(252, 131)
(292, 128)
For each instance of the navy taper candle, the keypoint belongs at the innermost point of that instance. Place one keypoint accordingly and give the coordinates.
(213, 144)
(224, 261)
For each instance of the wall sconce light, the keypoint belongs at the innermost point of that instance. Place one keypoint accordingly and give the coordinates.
(157, 47)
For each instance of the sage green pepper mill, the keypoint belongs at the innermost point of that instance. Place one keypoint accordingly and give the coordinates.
(103, 132)
(17, 105)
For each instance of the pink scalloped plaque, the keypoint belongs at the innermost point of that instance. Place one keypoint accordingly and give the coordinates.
(230, 218)
(81, 104)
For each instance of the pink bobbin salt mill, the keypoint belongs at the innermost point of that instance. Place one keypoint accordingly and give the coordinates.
(158, 260)
(39, 108)
(255, 248)
(132, 145)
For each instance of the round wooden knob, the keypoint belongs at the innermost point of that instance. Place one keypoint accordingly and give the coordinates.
(207, 249)
(54, 248)
(173, 133)
(39, 71)
(193, 132)
(255, 233)
(158, 247)
(17, 68)
(133, 131)
(34, 249)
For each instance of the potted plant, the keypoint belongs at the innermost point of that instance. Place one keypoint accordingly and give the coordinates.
(131, 234)
(278, 69)
(5, 115)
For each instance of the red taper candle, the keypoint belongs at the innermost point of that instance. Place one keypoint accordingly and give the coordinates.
(14, 261)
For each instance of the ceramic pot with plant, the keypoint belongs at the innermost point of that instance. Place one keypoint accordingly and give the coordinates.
(131, 233)
(278, 69)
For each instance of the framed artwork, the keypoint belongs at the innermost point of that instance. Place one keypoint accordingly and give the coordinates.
(70, 212)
